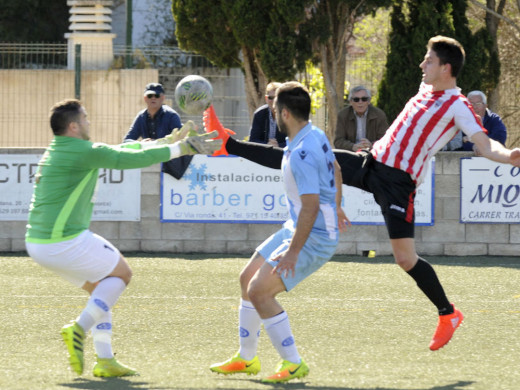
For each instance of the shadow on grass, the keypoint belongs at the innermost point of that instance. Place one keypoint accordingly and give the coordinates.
(110, 384)
(124, 384)
(460, 385)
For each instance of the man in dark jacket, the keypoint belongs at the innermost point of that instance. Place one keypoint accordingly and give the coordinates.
(360, 124)
(264, 129)
(157, 120)
(490, 120)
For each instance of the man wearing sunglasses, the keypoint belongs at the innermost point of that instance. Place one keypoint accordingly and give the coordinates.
(264, 129)
(360, 124)
(157, 120)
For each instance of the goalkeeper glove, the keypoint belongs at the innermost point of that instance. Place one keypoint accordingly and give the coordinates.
(195, 144)
(177, 134)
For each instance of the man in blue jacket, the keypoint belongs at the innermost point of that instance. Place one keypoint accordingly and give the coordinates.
(157, 120)
(490, 120)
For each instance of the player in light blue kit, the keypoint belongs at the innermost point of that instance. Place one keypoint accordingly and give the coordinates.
(304, 243)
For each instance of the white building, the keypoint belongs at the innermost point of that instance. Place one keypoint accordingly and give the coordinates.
(152, 22)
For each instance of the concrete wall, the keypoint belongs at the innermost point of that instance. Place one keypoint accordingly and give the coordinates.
(447, 237)
(112, 99)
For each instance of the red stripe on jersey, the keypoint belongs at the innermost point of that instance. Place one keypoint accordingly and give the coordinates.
(419, 112)
(450, 125)
(399, 122)
(428, 129)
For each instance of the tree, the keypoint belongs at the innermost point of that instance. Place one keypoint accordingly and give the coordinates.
(414, 22)
(28, 20)
(371, 36)
(502, 19)
(334, 22)
(273, 39)
(495, 13)
(254, 35)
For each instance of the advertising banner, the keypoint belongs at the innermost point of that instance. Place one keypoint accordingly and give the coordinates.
(235, 190)
(489, 191)
(224, 189)
(118, 196)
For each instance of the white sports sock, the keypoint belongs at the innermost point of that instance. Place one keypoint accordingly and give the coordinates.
(104, 296)
(249, 323)
(279, 332)
(102, 336)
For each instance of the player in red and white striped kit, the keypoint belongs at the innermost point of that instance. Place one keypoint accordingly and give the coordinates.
(396, 165)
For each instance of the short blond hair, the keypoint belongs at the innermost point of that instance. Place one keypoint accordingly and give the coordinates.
(272, 86)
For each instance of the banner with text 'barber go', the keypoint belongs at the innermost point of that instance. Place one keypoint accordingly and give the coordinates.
(235, 190)
(489, 191)
(118, 196)
(224, 189)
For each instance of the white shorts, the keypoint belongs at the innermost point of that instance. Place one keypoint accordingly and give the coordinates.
(86, 258)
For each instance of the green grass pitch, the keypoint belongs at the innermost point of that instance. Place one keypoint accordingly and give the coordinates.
(359, 323)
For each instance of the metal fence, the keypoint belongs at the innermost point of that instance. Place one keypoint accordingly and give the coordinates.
(33, 55)
(54, 56)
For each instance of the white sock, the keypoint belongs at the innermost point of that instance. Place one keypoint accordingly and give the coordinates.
(249, 323)
(104, 296)
(102, 336)
(279, 332)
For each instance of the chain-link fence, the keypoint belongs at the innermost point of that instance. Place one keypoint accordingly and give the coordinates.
(35, 76)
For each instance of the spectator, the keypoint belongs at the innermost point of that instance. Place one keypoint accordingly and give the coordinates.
(157, 120)
(360, 124)
(455, 143)
(264, 129)
(490, 120)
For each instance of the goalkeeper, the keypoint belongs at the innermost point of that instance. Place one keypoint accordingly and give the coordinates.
(58, 235)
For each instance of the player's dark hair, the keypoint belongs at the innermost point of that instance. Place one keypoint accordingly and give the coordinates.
(63, 113)
(295, 98)
(449, 51)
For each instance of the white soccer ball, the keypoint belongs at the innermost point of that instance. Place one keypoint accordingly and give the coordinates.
(194, 94)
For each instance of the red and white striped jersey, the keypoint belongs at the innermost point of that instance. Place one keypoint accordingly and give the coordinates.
(428, 122)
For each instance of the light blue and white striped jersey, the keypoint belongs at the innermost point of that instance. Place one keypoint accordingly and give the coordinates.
(308, 168)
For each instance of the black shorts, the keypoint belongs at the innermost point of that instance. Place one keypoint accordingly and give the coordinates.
(393, 189)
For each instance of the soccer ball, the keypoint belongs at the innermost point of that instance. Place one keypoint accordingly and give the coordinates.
(194, 94)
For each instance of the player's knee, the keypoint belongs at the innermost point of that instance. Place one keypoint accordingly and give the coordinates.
(257, 293)
(127, 276)
(244, 279)
(252, 292)
(255, 297)
(123, 271)
(404, 261)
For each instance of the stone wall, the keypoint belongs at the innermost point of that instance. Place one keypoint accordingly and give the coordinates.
(446, 237)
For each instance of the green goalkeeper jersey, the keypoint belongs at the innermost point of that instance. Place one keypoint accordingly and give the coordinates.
(66, 180)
